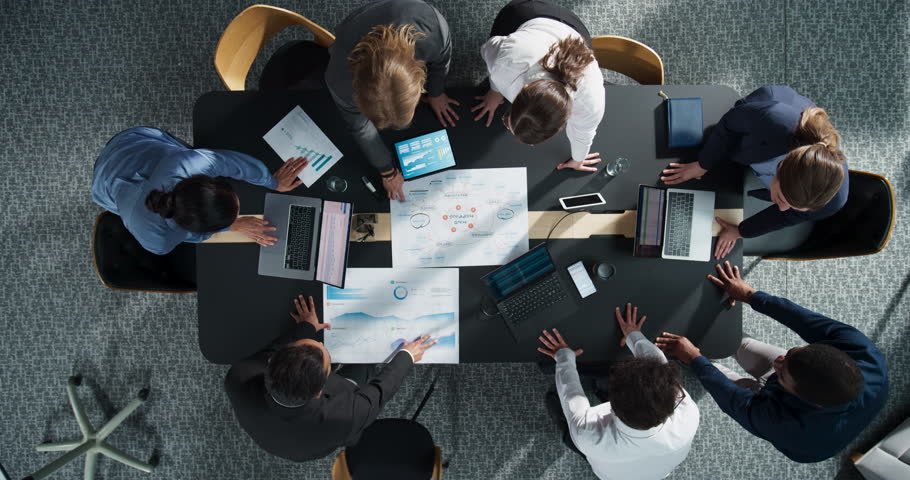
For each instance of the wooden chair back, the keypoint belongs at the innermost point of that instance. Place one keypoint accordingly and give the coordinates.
(248, 32)
(630, 58)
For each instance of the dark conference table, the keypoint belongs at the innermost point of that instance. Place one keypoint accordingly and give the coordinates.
(241, 312)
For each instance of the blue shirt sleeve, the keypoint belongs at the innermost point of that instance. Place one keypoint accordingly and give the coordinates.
(739, 403)
(236, 165)
(812, 327)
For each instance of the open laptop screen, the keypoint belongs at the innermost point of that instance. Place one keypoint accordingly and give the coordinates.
(649, 230)
(525, 269)
(333, 243)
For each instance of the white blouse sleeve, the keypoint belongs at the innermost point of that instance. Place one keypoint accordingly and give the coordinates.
(587, 112)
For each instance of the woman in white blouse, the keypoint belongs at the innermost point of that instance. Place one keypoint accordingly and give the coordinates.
(538, 59)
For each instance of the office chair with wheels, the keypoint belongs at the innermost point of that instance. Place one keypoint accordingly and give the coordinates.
(862, 227)
(396, 448)
(630, 58)
(122, 264)
(297, 64)
(93, 441)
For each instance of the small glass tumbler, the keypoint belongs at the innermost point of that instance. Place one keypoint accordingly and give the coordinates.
(336, 184)
(616, 166)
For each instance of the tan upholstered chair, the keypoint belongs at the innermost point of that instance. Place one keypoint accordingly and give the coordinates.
(248, 32)
(630, 58)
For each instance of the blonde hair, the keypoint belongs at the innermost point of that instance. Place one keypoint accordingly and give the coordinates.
(815, 127)
(387, 77)
(811, 174)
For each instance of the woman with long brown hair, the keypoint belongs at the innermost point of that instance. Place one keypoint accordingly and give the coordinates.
(539, 59)
(790, 145)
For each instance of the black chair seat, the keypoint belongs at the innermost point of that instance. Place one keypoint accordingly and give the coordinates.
(392, 448)
(122, 263)
(862, 227)
(297, 65)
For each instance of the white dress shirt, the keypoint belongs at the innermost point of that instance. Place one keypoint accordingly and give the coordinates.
(514, 61)
(615, 450)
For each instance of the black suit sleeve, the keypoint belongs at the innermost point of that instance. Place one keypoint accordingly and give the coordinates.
(298, 331)
(245, 370)
(370, 398)
(439, 59)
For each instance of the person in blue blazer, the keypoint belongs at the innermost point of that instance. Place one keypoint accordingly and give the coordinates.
(167, 193)
(810, 401)
(790, 145)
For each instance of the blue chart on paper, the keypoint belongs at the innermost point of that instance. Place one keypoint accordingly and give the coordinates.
(425, 154)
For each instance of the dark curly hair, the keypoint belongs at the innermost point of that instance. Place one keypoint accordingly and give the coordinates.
(824, 375)
(644, 391)
(295, 374)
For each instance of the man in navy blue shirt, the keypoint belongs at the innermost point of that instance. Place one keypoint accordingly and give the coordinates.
(809, 401)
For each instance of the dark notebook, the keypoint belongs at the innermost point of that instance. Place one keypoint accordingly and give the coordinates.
(685, 122)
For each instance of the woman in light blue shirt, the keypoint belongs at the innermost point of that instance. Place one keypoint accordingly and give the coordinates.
(167, 193)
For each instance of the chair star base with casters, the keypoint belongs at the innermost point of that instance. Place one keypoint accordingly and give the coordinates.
(93, 442)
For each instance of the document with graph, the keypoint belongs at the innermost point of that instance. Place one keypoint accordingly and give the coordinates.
(380, 308)
(425, 154)
(461, 218)
(297, 135)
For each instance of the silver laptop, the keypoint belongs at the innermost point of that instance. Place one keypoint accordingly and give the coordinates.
(313, 237)
(674, 223)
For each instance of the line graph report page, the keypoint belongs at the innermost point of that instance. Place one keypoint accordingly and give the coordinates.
(380, 308)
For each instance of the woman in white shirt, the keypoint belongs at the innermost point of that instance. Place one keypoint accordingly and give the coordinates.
(539, 59)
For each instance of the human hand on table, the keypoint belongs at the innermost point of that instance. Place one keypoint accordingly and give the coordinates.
(681, 172)
(287, 174)
(629, 322)
(417, 347)
(727, 238)
(678, 346)
(582, 166)
(488, 105)
(394, 185)
(554, 343)
(731, 282)
(255, 229)
(306, 312)
(442, 107)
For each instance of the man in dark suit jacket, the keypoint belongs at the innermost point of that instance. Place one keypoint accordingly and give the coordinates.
(291, 403)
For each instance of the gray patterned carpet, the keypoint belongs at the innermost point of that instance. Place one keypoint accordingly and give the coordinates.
(75, 73)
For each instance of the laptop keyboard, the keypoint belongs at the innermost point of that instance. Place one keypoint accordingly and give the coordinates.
(533, 298)
(679, 224)
(300, 237)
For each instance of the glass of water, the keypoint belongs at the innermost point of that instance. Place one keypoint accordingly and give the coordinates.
(336, 184)
(616, 166)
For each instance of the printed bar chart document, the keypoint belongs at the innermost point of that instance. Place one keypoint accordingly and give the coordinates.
(461, 218)
(380, 308)
(297, 135)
